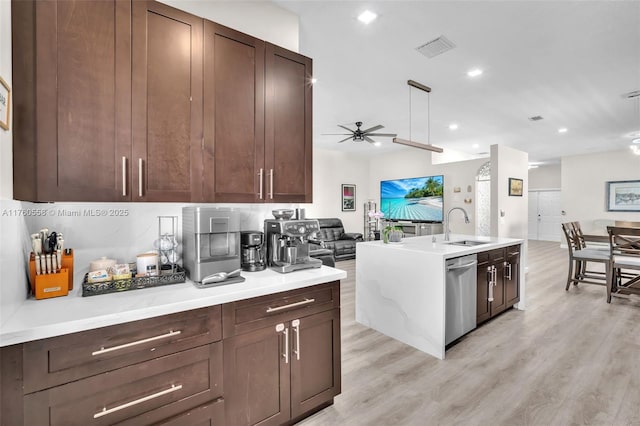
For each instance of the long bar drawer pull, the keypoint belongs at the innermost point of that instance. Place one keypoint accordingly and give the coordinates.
(104, 411)
(290, 305)
(104, 350)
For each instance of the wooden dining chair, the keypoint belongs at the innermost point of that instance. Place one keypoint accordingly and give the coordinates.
(623, 274)
(579, 259)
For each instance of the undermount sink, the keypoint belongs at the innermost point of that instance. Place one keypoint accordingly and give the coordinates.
(467, 243)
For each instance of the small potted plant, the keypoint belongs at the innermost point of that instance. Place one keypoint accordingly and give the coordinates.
(392, 234)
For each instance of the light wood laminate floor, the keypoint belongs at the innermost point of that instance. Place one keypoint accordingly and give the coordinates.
(560, 362)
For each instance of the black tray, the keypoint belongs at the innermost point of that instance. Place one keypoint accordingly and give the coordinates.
(134, 283)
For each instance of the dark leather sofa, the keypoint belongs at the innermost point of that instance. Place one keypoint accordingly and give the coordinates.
(333, 237)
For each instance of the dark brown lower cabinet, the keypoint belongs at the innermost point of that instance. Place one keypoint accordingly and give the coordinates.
(278, 357)
(279, 373)
(498, 282)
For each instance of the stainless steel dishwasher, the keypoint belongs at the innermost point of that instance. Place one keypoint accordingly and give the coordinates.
(461, 283)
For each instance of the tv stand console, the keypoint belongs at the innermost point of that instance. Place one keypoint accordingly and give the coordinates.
(418, 229)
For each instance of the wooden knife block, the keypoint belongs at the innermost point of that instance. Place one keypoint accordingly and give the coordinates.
(44, 286)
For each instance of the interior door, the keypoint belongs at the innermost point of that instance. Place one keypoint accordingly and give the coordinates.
(544, 214)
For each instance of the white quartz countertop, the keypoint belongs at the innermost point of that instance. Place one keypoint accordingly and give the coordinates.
(39, 319)
(443, 248)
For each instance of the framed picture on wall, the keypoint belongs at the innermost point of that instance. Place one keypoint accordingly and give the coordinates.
(515, 187)
(5, 104)
(623, 196)
(348, 198)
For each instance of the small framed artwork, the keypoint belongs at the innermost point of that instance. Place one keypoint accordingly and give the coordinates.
(623, 196)
(5, 104)
(348, 198)
(515, 187)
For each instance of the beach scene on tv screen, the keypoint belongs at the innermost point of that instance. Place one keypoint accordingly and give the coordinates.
(418, 199)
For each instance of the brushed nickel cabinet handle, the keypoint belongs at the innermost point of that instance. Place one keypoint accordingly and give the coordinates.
(290, 305)
(280, 328)
(124, 176)
(260, 177)
(104, 411)
(508, 270)
(139, 177)
(495, 276)
(296, 328)
(271, 184)
(104, 350)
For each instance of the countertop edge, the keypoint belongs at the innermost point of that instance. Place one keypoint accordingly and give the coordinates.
(20, 327)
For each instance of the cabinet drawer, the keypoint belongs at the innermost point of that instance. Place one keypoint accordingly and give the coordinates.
(137, 395)
(251, 314)
(210, 414)
(58, 360)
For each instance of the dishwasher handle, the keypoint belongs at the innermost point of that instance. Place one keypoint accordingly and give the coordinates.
(465, 266)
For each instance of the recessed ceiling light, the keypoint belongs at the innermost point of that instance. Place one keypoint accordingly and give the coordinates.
(453, 126)
(474, 72)
(367, 17)
(475, 145)
(314, 80)
(562, 130)
(636, 140)
(377, 144)
(531, 166)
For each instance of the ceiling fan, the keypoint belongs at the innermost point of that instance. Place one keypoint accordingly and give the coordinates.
(361, 135)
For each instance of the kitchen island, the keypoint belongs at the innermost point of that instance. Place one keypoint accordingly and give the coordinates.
(400, 287)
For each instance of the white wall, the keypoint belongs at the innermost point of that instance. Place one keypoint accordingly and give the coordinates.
(509, 214)
(261, 19)
(584, 189)
(545, 177)
(330, 170)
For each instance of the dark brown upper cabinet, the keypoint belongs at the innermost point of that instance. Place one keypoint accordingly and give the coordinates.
(72, 97)
(288, 126)
(137, 101)
(258, 118)
(166, 114)
(233, 153)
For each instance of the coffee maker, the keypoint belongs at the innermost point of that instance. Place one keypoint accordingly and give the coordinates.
(252, 246)
(211, 244)
(288, 244)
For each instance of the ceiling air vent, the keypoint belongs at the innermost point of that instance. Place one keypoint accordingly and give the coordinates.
(536, 118)
(631, 95)
(436, 47)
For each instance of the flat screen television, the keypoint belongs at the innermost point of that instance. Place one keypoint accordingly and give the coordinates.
(416, 199)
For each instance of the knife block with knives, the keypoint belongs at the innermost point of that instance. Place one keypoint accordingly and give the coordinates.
(53, 284)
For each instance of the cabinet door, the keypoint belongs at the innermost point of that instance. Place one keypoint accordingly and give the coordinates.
(256, 377)
(315, 361)
(512, 276)
(234, 116)
(483, 306)
(167, 103)
(72, 100)
(288, 132)
(499, 302)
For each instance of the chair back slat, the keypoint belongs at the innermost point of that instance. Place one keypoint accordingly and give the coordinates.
(624, 241)
(570, 235)
(577, 230)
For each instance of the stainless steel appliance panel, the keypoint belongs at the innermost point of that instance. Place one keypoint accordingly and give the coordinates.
(461, 293)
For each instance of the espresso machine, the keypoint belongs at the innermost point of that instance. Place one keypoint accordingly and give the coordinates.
(211, 245)
(288, 243)
(252, 246)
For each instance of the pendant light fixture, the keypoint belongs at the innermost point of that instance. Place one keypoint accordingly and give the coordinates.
(410, 142)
